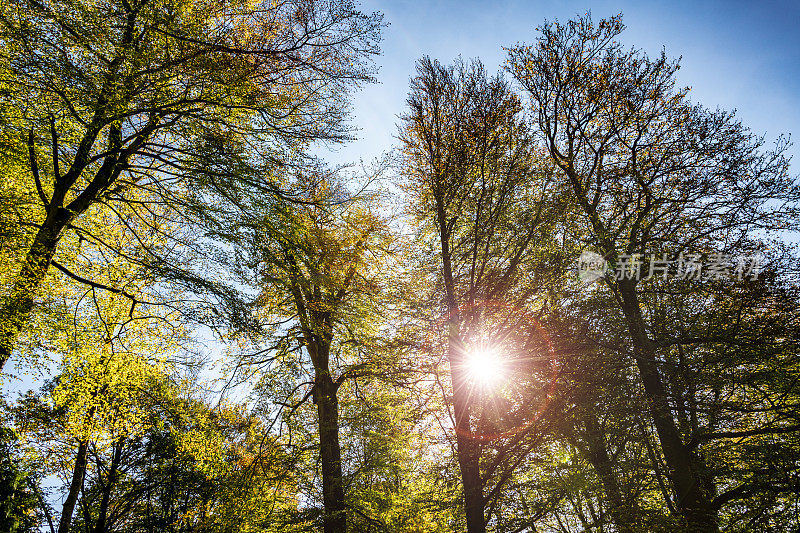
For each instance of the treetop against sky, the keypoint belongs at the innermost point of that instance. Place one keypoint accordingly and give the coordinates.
(735, 55)
(566, 302)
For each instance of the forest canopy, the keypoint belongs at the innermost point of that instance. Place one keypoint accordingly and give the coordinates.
(564, 302)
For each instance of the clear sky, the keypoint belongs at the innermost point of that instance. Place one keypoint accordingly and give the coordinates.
(742, 55)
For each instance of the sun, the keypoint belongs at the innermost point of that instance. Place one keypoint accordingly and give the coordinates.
(485, 366)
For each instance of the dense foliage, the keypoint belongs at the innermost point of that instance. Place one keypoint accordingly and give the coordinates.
(565, 302)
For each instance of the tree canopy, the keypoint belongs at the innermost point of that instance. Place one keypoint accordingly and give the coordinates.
(564, 303)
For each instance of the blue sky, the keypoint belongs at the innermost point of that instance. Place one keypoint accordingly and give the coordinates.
(742, 55)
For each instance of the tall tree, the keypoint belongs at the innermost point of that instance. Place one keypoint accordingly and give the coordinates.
(480, 197)
(652, 174)
(123, 88)
(319, 264)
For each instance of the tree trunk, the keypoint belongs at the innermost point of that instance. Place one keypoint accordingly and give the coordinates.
(467, 447)
(74, 487)
(17, 305)
(622, 514)
(113, 470)
(694, 503)
(325, 390)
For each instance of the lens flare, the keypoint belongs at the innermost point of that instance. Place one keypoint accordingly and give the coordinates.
(485, 366)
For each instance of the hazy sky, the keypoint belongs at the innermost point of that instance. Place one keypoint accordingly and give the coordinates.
(743, 55)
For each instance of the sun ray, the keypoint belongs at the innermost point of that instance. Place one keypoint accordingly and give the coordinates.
(485, 366)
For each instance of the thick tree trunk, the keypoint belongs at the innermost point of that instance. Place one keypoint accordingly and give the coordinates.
(469, 461)
(694, 503)
(78, 472)
(17, 305)
(100, 526)
(325, 390)
(467, 447)
(622, 514)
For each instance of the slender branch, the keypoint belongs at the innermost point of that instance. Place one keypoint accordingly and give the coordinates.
(54, 137)
(35, 169)
(94, 284)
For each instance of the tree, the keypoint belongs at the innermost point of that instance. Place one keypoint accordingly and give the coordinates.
(19, 489)
(652, 174)
(318, 263)
(193, 466)
(114, 360)
(123, 89)
(481, 202)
